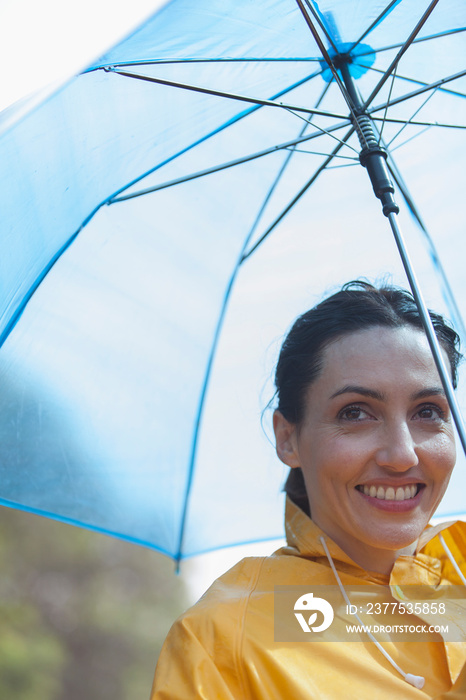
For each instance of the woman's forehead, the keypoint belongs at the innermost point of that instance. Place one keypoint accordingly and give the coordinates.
(380, 354)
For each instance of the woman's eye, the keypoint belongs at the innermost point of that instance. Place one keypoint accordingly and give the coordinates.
(353, 413)
(431, 413)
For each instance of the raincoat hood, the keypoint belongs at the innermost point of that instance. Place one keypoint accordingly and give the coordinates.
(226, 647)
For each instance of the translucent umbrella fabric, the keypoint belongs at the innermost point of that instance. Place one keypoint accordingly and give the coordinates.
(131, 404)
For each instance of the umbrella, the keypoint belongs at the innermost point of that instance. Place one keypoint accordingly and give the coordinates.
(167, 212)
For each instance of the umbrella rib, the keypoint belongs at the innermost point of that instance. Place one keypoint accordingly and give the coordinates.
(187, 61)
(281, 171)
(339, 166)
(320, 153)
(411, 138)
(393, 120)
(419, 91)
(410, 120)
(449, 296)
(274, 149)
(388, 101)
(222, 127)
(420, 82)
(374, 24)
(220, 93)
(325, 131)
(295, 199)
(418, 40)
(401, 52)
(229, 164)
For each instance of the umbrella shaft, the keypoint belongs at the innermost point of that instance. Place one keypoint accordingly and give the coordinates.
(430, 332)
(372, 156)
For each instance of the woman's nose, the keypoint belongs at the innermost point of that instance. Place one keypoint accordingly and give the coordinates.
(397, 448)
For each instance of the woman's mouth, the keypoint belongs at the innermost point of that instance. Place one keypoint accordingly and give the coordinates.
(390, 493)
(394, 499)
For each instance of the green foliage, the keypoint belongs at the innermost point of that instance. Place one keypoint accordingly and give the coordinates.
(82, 615)
(31, 659)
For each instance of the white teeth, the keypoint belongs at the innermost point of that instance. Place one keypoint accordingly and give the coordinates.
(402, 493)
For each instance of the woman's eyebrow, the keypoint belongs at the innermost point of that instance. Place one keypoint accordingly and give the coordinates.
(364, 391)
(429, 391)
(379, 396)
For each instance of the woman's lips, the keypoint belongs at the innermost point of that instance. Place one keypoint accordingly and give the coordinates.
(389, 493)
(392, 498)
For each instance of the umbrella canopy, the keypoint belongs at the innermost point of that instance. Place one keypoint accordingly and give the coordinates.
(168, 212)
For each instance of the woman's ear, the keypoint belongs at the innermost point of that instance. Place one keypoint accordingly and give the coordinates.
(286, 443)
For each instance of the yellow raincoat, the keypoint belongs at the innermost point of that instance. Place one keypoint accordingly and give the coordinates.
(223, 648)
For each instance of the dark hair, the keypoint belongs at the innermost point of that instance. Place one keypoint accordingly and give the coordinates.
(357, 306)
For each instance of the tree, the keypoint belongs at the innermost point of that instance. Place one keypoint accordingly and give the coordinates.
(83, 615)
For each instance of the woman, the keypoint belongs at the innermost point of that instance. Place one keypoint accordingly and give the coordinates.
(363, 422)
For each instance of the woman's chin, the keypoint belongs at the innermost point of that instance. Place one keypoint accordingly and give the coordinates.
(395, 537)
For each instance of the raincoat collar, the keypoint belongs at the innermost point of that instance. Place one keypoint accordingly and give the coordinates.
(424, 567)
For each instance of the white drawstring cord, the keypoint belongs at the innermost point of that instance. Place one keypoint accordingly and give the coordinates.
(450, 556)
(416, 681)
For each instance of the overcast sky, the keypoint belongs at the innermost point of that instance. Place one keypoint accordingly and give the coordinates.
(45, 42)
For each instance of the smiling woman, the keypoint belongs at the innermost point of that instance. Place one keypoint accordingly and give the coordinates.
(376, 444)
(363, 422)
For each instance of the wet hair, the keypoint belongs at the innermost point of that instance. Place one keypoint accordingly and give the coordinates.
(356, 307)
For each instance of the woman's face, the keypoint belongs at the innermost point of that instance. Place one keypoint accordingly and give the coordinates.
(376, 444)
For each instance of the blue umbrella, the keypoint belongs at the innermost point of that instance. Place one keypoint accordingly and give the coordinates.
(165, 215)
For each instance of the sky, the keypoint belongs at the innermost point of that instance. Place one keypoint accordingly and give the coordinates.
(44, 43)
